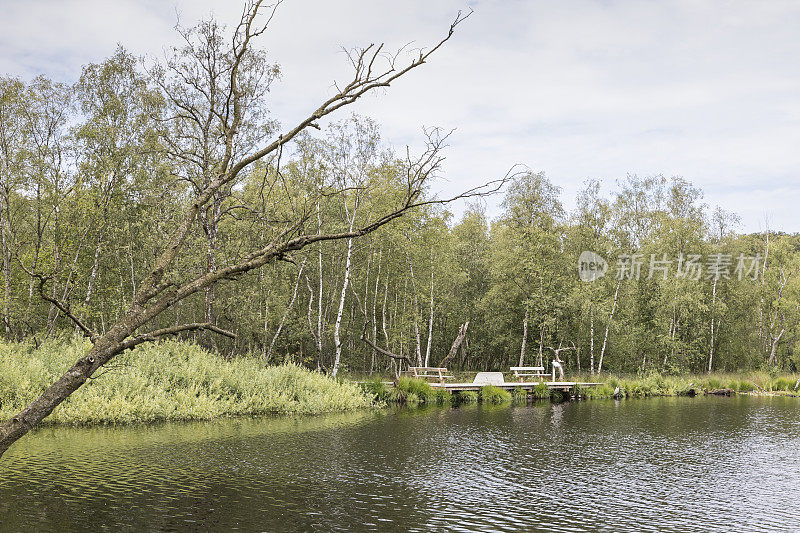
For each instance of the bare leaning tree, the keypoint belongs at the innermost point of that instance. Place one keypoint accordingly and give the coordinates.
(220, 136)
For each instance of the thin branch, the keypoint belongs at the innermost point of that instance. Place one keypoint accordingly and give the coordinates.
(64, 307)
(174, 330)
(380, 350)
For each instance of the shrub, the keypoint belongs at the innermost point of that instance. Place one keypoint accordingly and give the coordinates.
(421, 388)
(467, 396)
(377, 388)
(443, 396)
(540, 391)
(492, 394)
(519, 395)
(167, 381)
(600, 391)
(782, 384)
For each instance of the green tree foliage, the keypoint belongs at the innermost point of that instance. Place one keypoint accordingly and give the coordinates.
(92, 176)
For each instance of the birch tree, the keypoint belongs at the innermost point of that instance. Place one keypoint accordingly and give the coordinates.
(236, 103)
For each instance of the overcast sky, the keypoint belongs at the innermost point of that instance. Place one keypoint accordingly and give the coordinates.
(577, 89)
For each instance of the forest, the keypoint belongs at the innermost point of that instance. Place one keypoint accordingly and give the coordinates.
(148, 194)
(92, 175)
(464, 279)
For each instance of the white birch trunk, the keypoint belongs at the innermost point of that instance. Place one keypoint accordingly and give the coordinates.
(713, 304)
(524, 338)
(591, 341)
(430, 321)
(374, 313)
(608, 325)
(337, 326)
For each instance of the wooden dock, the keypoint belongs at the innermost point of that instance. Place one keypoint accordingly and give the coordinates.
(437, 377)
(565, 386)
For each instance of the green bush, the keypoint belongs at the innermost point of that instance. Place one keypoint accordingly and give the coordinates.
(600, 391)
(397, 395)
(443, 396)
(419, 387)
(578, 391)
(467, 396)
(782, 384)
(519, 395)
(540, 391)
(377, 388)
(492, 394)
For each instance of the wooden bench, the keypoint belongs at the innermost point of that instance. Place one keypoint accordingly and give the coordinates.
(522, 372)
(429, 372)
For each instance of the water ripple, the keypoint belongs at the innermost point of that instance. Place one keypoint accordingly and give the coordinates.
(675, 465)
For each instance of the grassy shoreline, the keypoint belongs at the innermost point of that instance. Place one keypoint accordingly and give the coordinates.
(655, 384)
(173, 381)
(414, 391)
(165, 382)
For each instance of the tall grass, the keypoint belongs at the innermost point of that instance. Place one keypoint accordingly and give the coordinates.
(414, 390)
(377, 388)
(467, 396)
(167, 381)
(655, 384)
(492, 394)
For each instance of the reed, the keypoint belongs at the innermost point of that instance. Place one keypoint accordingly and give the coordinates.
(167, 381)
(655, 384)
(492, 394)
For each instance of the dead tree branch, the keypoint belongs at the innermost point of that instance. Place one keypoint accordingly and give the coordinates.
(462, 333)
(174, 330)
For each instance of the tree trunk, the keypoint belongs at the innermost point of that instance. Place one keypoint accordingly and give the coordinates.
(608, 325)
(210, 220)
(319, 300)
(540, 356)
(774, 352)
(713, 305)
(6, 268)
(430, 320)
(266, 323)
(524, 338)
(286, 313)
(591, 341)
(383, 311)
(672, 327)
(337, 326)
(763, 280)
(462, 333)
(418, 340)
(374, 313)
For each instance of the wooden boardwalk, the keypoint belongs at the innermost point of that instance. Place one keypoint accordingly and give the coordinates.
(528, 386)
(497, 379)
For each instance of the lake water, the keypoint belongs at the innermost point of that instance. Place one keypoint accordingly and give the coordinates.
(675, 464)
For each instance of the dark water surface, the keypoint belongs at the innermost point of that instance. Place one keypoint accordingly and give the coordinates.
(677, 464)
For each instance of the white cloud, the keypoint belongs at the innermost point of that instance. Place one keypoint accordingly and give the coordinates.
(576, 88)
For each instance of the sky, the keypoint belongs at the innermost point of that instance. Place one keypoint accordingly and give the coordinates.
(577, 89)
